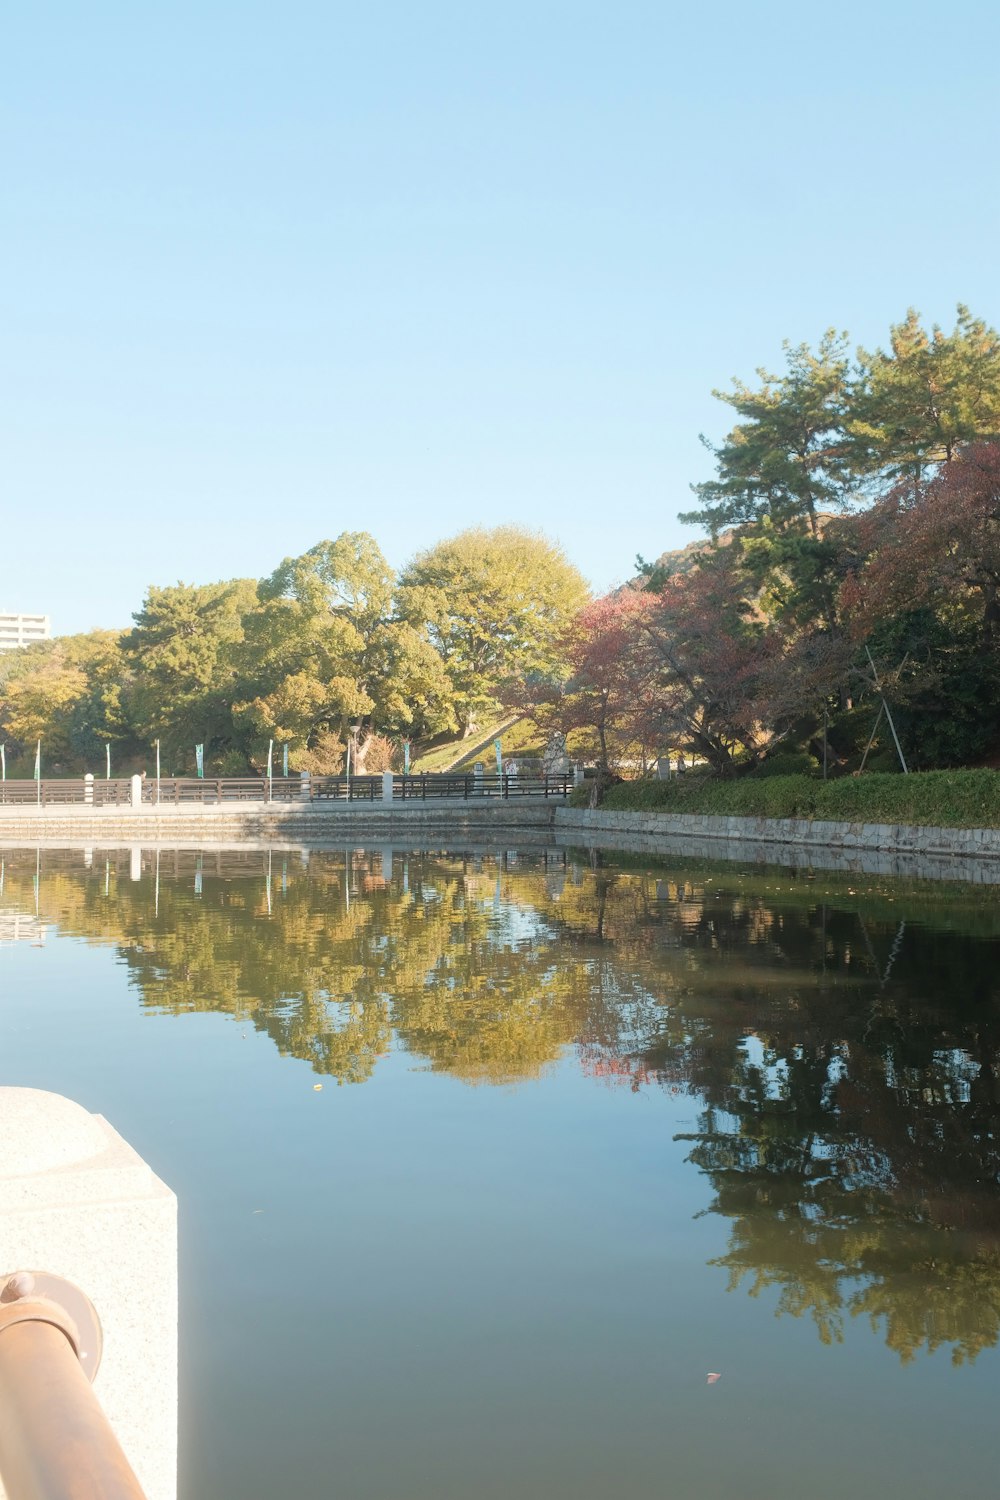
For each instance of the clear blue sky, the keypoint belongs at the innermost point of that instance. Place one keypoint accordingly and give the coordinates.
(274, 272)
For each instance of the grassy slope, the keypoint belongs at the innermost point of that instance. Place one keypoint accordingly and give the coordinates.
(522, 738)
(950, 799)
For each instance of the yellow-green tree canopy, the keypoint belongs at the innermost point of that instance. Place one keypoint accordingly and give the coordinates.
(495, 603)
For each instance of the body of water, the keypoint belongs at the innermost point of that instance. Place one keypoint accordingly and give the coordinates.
(589, 1133)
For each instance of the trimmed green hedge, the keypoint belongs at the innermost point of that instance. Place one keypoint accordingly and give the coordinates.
(949, 799)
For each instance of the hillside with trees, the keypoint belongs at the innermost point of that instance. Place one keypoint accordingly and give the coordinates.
(848, 585)
(331, 645)
(842, 608)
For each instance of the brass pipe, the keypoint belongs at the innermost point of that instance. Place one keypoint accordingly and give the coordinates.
(55, 1441)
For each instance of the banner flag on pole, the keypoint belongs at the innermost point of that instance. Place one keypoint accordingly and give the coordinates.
(199, 760)
(3, 762)
(284, 760)
(38, 761)
(497, 747)
(270, 758)
(107, 774)
(406, 757)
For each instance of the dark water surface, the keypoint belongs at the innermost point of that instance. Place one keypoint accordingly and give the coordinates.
(585, 1136)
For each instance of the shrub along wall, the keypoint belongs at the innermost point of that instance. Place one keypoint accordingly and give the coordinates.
(944, 799)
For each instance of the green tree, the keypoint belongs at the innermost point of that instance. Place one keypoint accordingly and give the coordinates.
(495, 604)
(44, 683)
(787, 458)
(183, 655)
(828, 436)
(780, 473)
(73, 694)
(816, 438)
(323, 650)
(914, 405)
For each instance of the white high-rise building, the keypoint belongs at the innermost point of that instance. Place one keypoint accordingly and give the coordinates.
(21, 630)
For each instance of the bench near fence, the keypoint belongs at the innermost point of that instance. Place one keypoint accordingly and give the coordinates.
(172, 791)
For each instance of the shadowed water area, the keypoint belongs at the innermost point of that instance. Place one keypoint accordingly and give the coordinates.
(587, 1134)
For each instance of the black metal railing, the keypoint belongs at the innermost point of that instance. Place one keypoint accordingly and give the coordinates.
(51, 792)
(175, 791)
(431, 787)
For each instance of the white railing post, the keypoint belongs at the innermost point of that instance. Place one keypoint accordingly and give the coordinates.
(136, 797)
(387, 787)
(88, 787)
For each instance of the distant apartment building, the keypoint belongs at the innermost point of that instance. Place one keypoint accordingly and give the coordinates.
(21, 630)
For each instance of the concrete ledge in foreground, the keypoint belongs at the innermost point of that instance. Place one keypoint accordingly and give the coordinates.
(77, 1201)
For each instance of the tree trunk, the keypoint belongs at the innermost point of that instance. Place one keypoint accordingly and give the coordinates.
(359, 752)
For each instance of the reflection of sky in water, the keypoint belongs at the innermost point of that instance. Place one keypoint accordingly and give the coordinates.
(520, 1289)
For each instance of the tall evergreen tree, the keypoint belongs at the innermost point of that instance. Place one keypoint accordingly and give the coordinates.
(786, 459)
(912, 406)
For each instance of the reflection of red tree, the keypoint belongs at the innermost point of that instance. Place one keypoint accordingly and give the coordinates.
(598, 1062)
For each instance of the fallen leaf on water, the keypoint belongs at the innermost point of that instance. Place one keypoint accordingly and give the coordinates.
(713, 1377)
(317, 1087)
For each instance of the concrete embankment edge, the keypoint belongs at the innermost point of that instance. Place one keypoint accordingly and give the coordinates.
(966, 854)
(276, 824)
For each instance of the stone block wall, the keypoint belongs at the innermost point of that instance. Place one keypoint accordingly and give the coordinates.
(877, 848)
(280, 822)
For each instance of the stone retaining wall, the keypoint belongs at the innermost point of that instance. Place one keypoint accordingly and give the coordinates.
(903, 838)
(259, 822)
(968, 854)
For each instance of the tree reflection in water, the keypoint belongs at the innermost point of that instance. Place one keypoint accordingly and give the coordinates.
(841, 1042)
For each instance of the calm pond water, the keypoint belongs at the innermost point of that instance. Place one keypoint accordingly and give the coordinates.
(585, 1136)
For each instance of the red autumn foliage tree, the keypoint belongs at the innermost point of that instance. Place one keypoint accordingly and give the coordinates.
(691, 667)
(937, 544)
(729, 683)
(608, 672)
